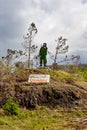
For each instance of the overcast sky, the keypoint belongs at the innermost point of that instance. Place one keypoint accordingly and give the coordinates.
(53, 18)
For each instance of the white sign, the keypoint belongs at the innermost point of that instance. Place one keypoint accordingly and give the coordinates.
(39, 78)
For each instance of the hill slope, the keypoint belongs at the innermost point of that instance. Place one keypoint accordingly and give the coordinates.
(65, 89)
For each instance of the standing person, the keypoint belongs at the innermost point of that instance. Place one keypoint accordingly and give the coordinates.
(42, 54)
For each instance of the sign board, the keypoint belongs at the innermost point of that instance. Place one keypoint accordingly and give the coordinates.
(39, 78)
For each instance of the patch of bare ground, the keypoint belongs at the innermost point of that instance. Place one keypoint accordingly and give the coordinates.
(64, 92)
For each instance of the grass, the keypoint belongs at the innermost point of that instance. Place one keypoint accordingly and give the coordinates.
(79, 73)
(83, 73)
(41, 119)
(73, 73)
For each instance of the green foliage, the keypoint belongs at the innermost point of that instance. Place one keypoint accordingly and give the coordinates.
(11, 108)
(43, 119)
(8, 69)
(19, 65)
(2, 122)
(43, 108)
(83, 73)
(72, 68)
(78, 72)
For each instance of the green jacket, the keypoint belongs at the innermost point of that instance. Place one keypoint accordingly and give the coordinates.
(43, 51)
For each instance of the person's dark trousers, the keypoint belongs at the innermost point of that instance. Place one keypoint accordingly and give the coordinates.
(43, 60)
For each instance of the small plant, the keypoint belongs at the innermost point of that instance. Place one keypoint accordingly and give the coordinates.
(11, 108)
(2, 122)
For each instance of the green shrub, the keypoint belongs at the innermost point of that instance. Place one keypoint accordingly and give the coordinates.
(11, 108)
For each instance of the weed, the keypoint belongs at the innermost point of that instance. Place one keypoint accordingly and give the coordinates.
(11, 108)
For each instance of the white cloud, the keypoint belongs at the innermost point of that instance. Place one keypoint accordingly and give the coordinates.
(52, 18)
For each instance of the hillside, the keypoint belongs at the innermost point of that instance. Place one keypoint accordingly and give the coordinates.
(59, 105)
(65, 89)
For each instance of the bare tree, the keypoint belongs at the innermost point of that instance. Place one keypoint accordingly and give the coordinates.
(27, 44)
(11, 56)
(76, 60)
(61, 47)
(9, 60)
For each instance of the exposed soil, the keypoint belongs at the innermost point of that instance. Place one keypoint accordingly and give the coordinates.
(64, 93)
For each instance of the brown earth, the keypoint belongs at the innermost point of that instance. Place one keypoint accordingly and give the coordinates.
(66, 93)
(59, 92)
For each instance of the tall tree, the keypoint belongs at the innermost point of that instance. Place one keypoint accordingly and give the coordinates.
(27, 44)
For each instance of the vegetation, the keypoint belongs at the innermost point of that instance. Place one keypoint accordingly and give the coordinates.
(27, 44)
(80, 72)
(83, 73)
(71, 72)
(61, 47)
(11, 108)
(42, 119)
(64, 99)
(11, 56)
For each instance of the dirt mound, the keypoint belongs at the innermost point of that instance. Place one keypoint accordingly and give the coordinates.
(60, 92)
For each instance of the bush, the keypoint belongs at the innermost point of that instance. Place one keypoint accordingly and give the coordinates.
(11, 108)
